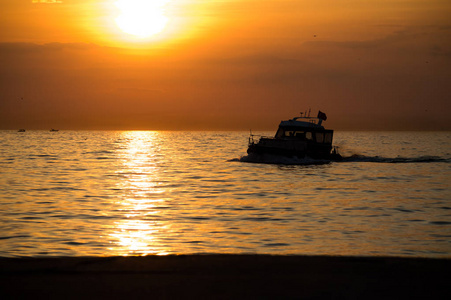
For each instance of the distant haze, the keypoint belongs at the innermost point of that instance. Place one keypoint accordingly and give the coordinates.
(227, 65)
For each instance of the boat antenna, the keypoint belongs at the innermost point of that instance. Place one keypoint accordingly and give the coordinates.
(309, 110)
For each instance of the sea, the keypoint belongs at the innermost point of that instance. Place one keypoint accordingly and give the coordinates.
(136, 193)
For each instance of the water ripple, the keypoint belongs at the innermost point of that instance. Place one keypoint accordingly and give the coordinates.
(141, 193)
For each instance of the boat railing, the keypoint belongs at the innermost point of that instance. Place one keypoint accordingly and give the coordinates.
(313, 120)
(253, 138)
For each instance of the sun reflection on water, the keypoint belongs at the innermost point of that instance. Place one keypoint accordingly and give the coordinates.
(137, 232)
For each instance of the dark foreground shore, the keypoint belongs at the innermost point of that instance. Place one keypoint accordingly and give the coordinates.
(225, 277)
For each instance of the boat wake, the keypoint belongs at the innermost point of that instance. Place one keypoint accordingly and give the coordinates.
(283, 160)
(395, 160)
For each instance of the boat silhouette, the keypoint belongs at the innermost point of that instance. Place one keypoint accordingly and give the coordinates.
(300, 137)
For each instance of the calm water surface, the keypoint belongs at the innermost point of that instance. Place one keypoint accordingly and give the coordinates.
(76, 193)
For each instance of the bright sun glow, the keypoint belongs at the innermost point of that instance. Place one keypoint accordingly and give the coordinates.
(142, 18)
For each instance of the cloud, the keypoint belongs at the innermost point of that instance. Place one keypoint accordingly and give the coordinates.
(388, 40)
(33, 48)
(46, 1)
(365, 83)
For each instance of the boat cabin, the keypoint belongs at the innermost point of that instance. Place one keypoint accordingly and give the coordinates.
(310, 129)
(300, 137)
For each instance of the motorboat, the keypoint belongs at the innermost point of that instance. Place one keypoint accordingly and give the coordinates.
(300, 137)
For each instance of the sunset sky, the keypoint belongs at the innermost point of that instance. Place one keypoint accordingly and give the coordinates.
(224, 64)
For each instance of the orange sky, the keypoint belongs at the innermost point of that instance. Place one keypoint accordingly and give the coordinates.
(226, 64)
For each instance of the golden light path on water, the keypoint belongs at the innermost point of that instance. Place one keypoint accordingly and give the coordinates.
(86, 193)
(136, 232)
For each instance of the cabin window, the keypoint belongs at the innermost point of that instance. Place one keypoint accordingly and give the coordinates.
(328, 138)
(280, 133)
(300, 134)
(308, 136)
(320, 137)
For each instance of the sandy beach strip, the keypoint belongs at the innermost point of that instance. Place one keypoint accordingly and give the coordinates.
(225, 277)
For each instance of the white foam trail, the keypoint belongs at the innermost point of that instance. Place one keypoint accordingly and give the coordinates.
(283, 160)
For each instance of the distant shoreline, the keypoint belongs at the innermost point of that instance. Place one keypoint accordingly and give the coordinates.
(226, 276)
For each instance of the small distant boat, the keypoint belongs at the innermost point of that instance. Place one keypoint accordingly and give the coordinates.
(298, 137)
(21, 130)
(54, 130)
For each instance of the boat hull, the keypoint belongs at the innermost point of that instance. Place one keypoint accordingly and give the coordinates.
(293, 148)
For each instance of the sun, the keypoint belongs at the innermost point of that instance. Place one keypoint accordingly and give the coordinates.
(141, 18)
